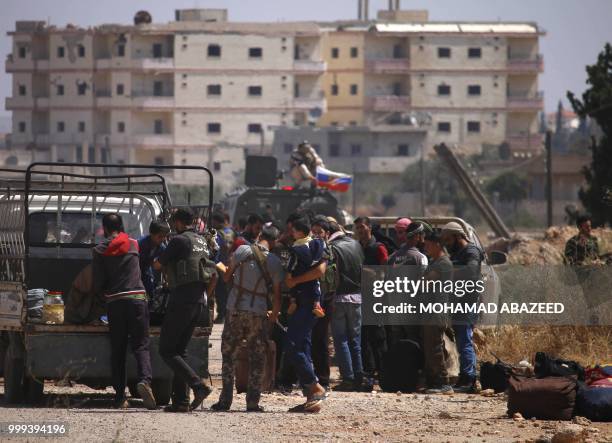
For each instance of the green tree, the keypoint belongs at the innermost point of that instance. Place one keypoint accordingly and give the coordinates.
(510, 187)
(597, 103)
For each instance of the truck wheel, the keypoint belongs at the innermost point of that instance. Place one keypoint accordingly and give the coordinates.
(14, 369)
(4, 343)
(162, 390)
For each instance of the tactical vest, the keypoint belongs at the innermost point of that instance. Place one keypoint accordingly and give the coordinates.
(196, 268)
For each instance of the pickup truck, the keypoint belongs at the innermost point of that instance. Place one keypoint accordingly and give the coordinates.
(50, 218)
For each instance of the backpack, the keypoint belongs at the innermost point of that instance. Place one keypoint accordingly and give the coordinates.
(495, 375)
(546, 366)
(400, 367)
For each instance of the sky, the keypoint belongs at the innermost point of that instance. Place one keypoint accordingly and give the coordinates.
(576, 29)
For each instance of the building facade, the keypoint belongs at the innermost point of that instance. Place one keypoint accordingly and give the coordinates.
(170, 93)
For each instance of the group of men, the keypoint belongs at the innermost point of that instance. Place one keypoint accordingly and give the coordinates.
(292, 283)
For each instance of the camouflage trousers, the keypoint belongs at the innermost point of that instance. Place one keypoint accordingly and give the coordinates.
(243, 328)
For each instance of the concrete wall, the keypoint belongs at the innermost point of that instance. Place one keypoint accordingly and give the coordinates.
(424, 52)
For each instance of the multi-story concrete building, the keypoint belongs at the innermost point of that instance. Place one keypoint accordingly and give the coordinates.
(477, 81)
(169, 93)
(161, 93)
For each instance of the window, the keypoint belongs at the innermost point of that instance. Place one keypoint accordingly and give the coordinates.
(158, 127)
(22, 127)
(335, 52)
(214, 51)
(22, 90)
(61, 51)
(473, 127)
(157, 50)
(158, 89)
(59, 89)
(355, 149)
(81, 88)
(255, 91)
(214, 128)
(403, 150)
(121, 127)
(22, 51)
(213, 89)
(216, 166)
(354, 52)
(334, 89)
(334, 150)
(255, 52)
(81, 126)
(473, 89)
(81, 51)
(444, 52)
(444, 90)
(79, 154)
(474, 53)
(61, 126)
(120, 89)
(121, 51)
(287, 148)
(444, 127)
(254, 128)
(354, 89)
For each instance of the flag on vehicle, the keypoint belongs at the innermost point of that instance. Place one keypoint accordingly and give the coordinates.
(334, 181)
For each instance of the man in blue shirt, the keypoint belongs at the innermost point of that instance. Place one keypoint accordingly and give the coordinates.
(150, 247)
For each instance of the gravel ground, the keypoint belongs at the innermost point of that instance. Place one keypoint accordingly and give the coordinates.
(345, 416)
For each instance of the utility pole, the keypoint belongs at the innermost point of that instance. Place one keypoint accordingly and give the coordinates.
(549, 193)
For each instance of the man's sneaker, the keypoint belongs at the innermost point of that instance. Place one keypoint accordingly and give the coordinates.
(177, 408)
(440, 389)
(121, 403)
(146, 393)
(468, 385)
(219, 407)
(347, 385)
(200, 392)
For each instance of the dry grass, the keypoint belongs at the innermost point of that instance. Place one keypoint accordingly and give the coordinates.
(585, 344)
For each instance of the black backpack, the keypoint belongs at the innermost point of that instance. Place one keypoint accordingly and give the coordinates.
(400, 367)
(495, 375)
(547, 366)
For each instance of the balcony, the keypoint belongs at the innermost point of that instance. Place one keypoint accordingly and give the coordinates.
(525, 102)
(61, 139)
(12, 103)
(309, 103)
(389, 66)
(146, 100)
(526, 65)
(153, 140)
(309, 67)
(525, 142)
(25, 64)
(154, 64)
(389, 103)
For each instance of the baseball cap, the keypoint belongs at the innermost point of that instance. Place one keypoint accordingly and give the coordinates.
(454, 228)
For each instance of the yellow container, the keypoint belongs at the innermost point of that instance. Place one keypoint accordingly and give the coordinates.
(53, 314)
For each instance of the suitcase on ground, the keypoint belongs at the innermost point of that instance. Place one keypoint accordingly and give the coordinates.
(549, 398)
(594, 403)
(242, 368)
(401, 366)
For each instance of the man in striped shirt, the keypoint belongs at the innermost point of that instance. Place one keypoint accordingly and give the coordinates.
(116, 275)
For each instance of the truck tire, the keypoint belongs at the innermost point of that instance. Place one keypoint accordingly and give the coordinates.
(33, 390)
(14, 369)
(162, 390)
(4, 342)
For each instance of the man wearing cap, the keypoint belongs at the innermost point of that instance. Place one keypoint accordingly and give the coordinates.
(467, 259)
(410, 235)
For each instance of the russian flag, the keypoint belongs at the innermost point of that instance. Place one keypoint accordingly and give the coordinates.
(334, 181)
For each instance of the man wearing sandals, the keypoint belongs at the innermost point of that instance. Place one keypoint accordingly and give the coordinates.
(256, 275)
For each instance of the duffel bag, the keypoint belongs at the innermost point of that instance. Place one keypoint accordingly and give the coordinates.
(549, 398)
(547, 366)
(594, 403)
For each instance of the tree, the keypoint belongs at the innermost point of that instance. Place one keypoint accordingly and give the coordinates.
(596, 103)
(510, 187)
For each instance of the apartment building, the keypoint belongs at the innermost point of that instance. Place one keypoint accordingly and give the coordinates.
(478, 82)
(161, 93)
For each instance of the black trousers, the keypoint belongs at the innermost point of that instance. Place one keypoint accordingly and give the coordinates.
(176, 331)
(128, 322)
(373, 347)
(320, 344)
(221, 298)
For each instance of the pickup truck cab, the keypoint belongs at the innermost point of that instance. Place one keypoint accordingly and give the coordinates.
(50, 218)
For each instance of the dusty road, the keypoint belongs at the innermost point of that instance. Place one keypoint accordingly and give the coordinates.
(346, 417)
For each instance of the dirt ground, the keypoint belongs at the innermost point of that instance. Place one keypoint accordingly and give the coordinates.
(345, 417)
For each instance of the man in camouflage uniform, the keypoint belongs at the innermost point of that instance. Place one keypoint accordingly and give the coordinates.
(257, 275)
(583, 247)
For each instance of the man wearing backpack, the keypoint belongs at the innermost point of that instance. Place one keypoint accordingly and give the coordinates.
(256, 275)
(346, 321)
